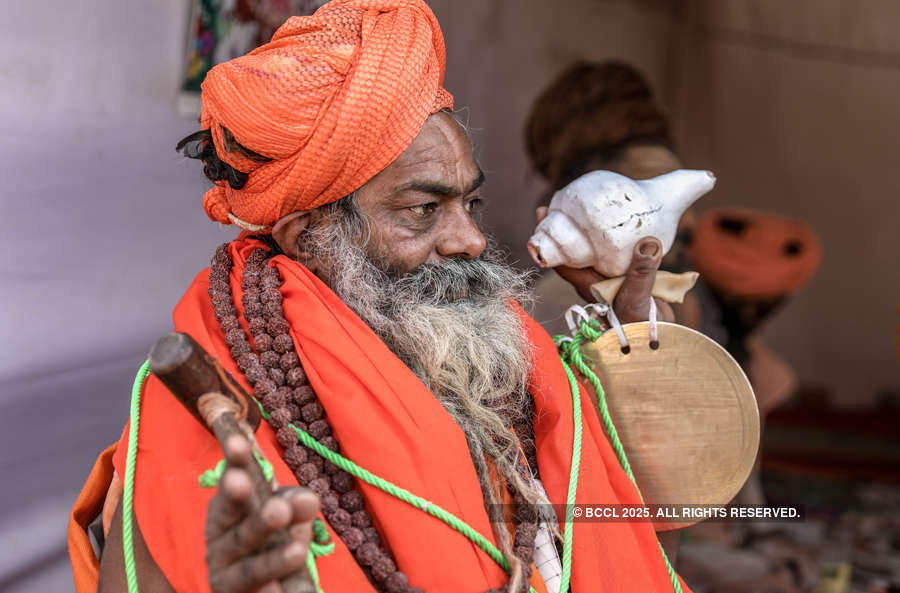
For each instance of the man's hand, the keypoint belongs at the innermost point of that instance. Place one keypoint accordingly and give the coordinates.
(633, 300)
(239, 555)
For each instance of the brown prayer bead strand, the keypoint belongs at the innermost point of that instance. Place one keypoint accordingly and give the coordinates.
(526, 514)
(524, 537)
(276, 376)
(337, 506)
(523, 540)
(297, 404)
(225, 312)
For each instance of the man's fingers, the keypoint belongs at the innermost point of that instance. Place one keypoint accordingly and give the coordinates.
(301, 532)
(304, 504)
(237, 451)
(272, 587)
(294, 507)
(230, 504)
(252, 532)
(235, 488)
(633, 300)
(258, 570)
(581, 279)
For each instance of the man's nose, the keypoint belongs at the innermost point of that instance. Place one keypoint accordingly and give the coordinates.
(461, 237)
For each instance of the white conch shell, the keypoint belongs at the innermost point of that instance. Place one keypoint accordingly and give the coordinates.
(596, 220)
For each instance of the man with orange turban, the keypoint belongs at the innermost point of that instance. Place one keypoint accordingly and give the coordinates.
(428, 419)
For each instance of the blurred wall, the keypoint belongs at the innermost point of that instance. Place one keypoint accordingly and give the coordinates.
(797, 110)
(105, 218)
(102, 229)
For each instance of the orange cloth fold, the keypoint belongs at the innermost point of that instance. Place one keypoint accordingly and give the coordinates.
(332, 100)
(389, 423)
(88, 506)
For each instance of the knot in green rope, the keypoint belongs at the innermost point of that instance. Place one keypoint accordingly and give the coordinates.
(570, 348)
(321, 545)
(210, 478)
(565, 346)
(591, 331)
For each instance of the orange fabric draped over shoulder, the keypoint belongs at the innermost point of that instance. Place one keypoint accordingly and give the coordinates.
(332, 100)
(388, 422)
(88, 506)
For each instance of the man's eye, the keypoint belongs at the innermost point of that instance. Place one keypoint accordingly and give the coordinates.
(424, 209)
(474, 204)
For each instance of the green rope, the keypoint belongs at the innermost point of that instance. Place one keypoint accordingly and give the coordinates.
(210, 478)
(321, 545)
(571, 352)
(128, 489)
(568, 527)
(406, 496)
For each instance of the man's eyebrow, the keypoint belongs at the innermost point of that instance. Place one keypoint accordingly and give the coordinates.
(439, 189)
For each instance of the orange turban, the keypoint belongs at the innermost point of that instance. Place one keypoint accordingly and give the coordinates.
(749, 254)
(332, 100)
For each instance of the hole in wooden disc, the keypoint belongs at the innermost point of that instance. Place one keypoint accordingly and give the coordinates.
(654, 345)
(626, 349)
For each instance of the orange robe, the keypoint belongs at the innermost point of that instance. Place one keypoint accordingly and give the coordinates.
(388, 422)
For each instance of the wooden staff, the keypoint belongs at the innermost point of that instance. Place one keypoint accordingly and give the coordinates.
(200, 383)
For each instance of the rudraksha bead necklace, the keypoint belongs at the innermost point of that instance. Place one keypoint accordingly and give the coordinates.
(278, 380)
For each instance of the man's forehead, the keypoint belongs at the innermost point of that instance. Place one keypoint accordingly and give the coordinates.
(441, 151)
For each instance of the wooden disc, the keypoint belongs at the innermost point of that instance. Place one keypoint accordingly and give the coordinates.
(685, 413)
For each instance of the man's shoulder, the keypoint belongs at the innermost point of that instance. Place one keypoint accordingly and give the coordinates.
(195, 299)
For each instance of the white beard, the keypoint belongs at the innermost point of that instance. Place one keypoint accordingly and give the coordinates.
(453, 324)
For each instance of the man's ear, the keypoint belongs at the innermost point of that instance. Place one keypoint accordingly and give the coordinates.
(288, 233)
